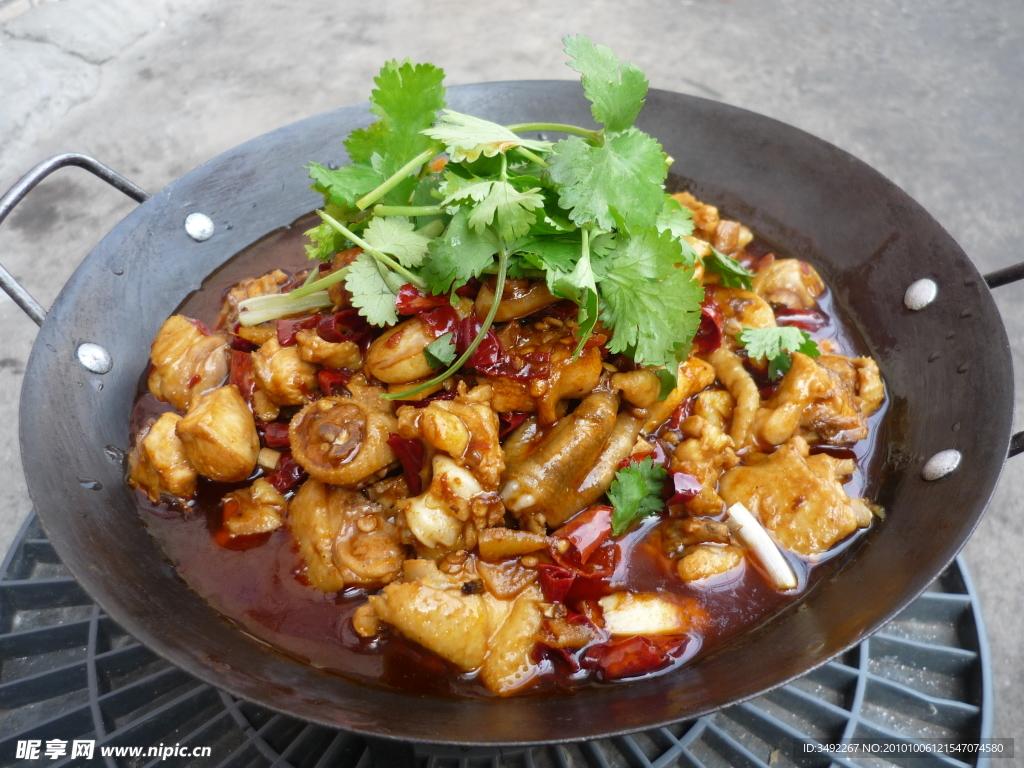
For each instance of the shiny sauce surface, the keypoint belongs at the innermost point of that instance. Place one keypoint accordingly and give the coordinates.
(259, 585)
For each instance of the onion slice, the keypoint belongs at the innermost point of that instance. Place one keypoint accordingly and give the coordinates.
(754, 536)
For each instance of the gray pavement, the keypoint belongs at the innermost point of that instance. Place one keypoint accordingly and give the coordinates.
(928, 93)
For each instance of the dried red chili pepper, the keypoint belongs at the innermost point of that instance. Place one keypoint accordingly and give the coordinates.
(587, 530)
(288, 329)
(442, 320)
(557, 656)
(238, 343)
(555, 581)
(241, 374)
(411, 455)
(288, 474)
(685, 487)
(510, 421)
(275, 434)
(333, 382)
(411, 300)
(805, 319)
(346, 325)
(709, 334)
(634, 656)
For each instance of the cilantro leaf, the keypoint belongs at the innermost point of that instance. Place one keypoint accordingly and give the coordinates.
(669, 380)
(458, 255)
(407, 99)
(731, 273)
(466, 137)
(772, 342)
(397, 236)
(636, 493)
(325, 239)
(616, 90)
(675, 218)
(652, 306)
(440, 353)
(345, 185)
(496, 201)
(370, 290)
(620, 180)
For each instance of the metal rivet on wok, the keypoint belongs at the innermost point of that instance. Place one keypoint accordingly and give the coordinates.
(941, 464)
(920, 294)
(199, 226)
(94, 358)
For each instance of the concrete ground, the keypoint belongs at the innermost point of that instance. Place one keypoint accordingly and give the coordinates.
(929, 93)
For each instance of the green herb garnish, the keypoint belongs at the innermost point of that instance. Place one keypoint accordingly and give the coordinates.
(636, 493)
(731, 273)
(776, 345)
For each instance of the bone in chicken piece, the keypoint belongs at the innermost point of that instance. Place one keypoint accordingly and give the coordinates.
(465, 428)
(730, 371)
(344, 538)
(283, 375)
(158, 464)
(706, 454)
(813, 401)
(260, 508)
(342, 440)
(219, 435)
(790, 282)
(798, 497)
(473, 631)
(186, 362)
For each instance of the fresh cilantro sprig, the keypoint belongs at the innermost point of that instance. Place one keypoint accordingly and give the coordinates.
(730, 272)
(777, 345)
(635, 493)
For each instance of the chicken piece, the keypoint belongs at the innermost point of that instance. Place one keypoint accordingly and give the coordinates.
(338, 293)
(706, 560)
(389, 491)
(497, 543)
(678, 535)
(186, 362)
(566, 380)
(219, 435)
(454, 507)
(861, 376)
(705, 217)
(474, 631)
(283, 375)
(694, 375)
(640, 387)
(342, 440)
(789, 282)
(740, 309)
(731, 236)
(257, 509)
(798, 497)
(344, 538)
(249, 288)
(715, 406)
(730, 371)
(396, 356)
(572, 465)
(158, 464)
(506, 579)
(343, 354)
(559, 632)
(706, 455)
(518, 299)
(814, 401)
(466, 428)
(258, 334)
(651, 613)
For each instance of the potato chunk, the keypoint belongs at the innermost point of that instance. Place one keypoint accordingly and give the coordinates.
(650, 613)
(219, 435)
(158, 464)
(342, 440)
(186, 362)
(798, 497)
(283, 375)
(344, 538)
(256, 509)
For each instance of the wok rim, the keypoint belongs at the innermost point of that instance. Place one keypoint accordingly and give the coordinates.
(211, 675)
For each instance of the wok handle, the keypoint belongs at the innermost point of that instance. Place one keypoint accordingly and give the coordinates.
(25, 184)
(994, 280)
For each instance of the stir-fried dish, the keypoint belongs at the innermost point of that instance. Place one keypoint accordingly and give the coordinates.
(529, 422)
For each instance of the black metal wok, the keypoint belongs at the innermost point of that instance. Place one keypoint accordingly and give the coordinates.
(947, 368)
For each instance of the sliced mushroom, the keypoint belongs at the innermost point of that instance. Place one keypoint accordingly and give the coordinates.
(219, 435)
(342, 440)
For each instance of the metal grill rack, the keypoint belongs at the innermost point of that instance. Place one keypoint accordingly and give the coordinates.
(68, 671)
